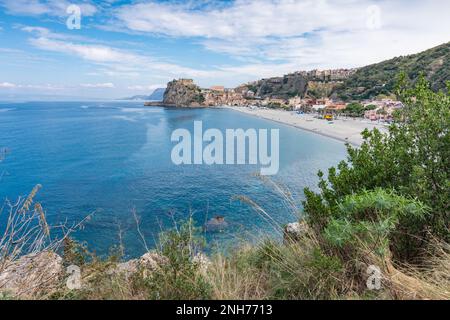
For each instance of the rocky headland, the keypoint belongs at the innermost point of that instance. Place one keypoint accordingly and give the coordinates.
(181, 93)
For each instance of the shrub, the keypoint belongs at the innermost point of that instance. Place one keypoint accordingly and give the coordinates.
(355, 109)
(373, 218)
(298, 270)
(180, 277)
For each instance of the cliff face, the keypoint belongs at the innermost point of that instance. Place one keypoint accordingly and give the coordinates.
(321, 89)
(280, 87)
(314, 83)
(183, 93)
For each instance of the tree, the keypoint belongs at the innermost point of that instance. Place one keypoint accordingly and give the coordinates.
(370, 107)
(355, 109)
(382, 112)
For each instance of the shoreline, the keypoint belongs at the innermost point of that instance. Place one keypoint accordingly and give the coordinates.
(343, 130)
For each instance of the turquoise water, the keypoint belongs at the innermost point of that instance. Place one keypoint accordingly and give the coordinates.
(111, 157)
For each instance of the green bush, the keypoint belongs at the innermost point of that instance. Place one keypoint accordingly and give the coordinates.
(180, 278)
(355, 109)
(298, 270)
(372, 218)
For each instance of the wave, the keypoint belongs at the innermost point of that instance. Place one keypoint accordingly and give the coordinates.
(139, 110)
(7, 109)
(125, 118)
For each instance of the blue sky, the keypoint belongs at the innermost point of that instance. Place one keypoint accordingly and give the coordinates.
(131, 47)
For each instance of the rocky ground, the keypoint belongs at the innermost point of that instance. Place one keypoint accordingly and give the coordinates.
(37, 274)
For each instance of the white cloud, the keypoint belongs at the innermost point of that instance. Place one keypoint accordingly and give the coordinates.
(108, 85)
(242, 19)
(304, 33)
(265, 37)
(44, 32)
(7, 85)
(94, 53)
(55, 8)
(113, 61)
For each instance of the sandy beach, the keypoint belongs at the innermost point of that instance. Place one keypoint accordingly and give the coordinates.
(347, 130)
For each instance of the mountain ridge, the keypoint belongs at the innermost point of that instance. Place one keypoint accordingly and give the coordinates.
(156, 95)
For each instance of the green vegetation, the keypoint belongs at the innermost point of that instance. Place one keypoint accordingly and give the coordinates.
(356, 109)
(284, 87)
(379, 79)
(179, 277)
(386, 206)
(274, 105)
(373, 81)
(199, 98)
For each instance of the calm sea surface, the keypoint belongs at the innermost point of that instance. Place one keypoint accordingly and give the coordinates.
(111, 157)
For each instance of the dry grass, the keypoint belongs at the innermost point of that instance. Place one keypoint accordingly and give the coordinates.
(232, 279)
(429, 281)
(273, 270)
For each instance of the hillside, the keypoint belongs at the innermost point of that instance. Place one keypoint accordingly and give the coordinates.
(280, 87)
(313, 83)
(380, 78)
(358, 84)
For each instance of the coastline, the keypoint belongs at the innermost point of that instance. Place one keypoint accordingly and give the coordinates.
(344, 130)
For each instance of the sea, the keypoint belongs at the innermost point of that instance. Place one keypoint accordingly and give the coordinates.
(111, 161)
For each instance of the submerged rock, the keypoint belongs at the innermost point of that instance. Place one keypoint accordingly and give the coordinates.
(32, 274)
(216, 224)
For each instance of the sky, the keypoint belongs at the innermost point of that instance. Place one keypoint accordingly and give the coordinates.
(124, 48)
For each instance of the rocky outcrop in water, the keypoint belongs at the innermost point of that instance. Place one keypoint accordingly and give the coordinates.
(216, 224)
(183, 93)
